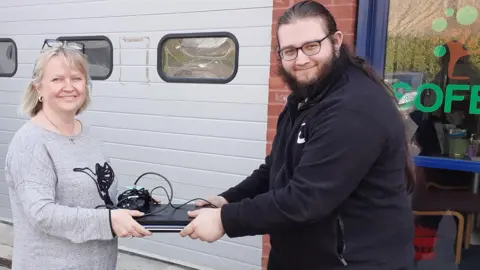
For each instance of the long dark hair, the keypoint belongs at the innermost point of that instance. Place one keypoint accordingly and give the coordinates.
(312, 9)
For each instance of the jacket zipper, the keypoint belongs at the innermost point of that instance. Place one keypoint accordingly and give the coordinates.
(341, 246)
(276, 175)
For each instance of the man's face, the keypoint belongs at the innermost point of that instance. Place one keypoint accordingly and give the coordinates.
(314, 61)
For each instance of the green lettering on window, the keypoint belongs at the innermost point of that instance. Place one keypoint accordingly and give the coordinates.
(450, 97)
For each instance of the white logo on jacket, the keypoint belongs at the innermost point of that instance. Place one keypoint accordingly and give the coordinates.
(301, 136)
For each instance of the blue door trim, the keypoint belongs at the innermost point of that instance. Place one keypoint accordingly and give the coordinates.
(371, 36)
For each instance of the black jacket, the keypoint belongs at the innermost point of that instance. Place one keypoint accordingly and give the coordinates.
(332, 190)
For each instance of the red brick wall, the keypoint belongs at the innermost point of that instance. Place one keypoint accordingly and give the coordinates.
(344, 12)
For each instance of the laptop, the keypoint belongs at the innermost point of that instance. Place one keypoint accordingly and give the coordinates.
(165, 218)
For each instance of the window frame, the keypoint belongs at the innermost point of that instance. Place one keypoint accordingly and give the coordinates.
(371, 38)
(93, 38)
(9, 75)
(222, 34)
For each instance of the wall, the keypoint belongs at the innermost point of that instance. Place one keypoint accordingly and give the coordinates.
(344, 12)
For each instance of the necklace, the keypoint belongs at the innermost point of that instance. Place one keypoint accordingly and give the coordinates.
(48, 119)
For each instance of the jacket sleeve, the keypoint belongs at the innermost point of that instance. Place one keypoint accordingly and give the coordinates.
(34, 186)
(340, 151)
(256, 183)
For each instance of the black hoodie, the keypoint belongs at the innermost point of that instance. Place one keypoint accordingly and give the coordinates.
(332, 191)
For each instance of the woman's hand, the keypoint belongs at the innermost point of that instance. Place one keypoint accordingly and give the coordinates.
(124, 225)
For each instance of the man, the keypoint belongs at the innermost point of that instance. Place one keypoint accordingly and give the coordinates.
(332, 192)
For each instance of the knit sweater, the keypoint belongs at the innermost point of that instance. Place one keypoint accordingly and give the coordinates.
(55, 182)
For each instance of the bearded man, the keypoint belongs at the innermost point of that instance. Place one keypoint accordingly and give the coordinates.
(333, 192)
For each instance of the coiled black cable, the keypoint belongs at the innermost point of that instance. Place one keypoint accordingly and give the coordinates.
(170, 198)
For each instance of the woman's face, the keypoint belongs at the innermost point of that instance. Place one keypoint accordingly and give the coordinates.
(63, 88)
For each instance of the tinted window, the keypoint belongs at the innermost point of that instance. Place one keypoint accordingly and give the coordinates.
(8, 57)
(99, 51)
(198, 58)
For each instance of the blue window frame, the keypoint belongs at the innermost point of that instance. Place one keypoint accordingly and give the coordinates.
(371, 33)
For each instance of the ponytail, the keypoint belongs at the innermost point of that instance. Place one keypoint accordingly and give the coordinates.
(363, 66)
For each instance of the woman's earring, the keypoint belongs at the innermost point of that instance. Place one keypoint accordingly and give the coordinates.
(40, 98)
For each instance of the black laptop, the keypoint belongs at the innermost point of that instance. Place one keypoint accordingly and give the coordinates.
(165, 218)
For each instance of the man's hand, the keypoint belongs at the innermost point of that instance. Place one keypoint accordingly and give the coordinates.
(218, 201)
(206, 225)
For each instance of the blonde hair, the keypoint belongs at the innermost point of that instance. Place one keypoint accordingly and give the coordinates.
(31, 104)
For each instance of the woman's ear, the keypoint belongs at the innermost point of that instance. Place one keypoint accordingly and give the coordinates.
(36, 87)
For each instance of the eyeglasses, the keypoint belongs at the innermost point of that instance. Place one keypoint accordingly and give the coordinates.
(309, 49)
(53, 43)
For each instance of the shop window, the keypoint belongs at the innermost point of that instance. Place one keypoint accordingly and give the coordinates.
(198, 58)
(99, 51)
(432, 49)
(8, 57)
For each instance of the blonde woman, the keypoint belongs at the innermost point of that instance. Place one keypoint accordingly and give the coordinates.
(57, 174)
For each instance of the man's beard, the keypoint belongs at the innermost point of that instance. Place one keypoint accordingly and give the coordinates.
(305, 90)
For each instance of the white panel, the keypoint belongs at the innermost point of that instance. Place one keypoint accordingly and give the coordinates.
(195, 252)
(183, 21)
(4, 199)
(3, 187)
(103, 9)
(11, 120)
(5, 138)
(5, 213)
(10, 111)
(9, 124)
(36, 3)
(223, 249)
(10, 97)
(192, 160)
(220, 111)
(189, 143)
(179, 174)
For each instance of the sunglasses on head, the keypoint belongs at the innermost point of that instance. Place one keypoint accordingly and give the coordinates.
(54, 43)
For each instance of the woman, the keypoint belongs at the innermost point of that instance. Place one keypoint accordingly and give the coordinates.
(57, 174)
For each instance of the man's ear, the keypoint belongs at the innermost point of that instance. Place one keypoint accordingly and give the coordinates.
(337, 38)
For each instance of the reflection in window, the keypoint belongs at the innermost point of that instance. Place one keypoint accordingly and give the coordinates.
(436, 42)
(99, 51)
(199, 58)
(8, 57)
(433, 45)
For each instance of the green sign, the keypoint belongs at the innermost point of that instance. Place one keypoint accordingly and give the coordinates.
(466, 15)
(452, 94)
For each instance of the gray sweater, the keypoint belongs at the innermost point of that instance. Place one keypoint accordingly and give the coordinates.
(55, 183)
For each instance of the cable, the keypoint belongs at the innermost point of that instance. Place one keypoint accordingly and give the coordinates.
(170, 198)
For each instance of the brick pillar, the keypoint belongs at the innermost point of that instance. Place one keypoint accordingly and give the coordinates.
(344, 12)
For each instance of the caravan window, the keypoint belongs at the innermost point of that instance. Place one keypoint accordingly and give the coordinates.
(99, 51)
(198, 58)
(8, 57)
